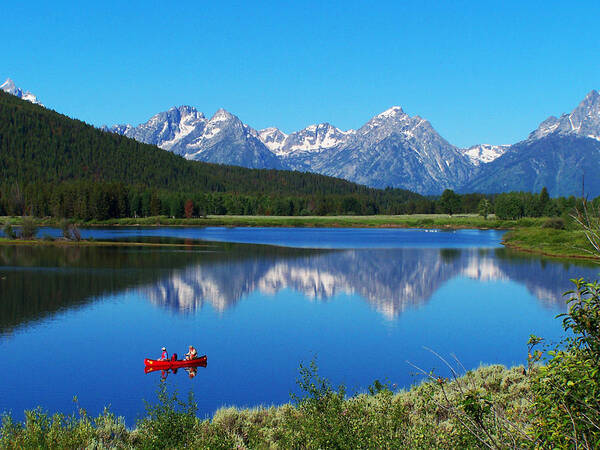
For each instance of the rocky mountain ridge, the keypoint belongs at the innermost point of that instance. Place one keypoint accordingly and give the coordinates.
(398, 150)
(562, 154)
(583, 121)
(391, 149)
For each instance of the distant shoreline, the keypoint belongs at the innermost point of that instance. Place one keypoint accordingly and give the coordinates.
(528, 235)
(441, 221)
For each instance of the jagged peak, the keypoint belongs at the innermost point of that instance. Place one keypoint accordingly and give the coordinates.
(185, 110)
(592, 95)
(590, 102)
(9, 84)
(394, 111)
(583, 121)
(222, 114)
(269, 131)
(315, 126)
(324, 126)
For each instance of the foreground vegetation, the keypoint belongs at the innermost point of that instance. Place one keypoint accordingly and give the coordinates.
(322, 418)
(555, 405)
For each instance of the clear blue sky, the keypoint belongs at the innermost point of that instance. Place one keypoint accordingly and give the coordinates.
(478, 71)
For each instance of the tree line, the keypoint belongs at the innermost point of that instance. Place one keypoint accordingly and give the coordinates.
(509, 205)
(88, 201)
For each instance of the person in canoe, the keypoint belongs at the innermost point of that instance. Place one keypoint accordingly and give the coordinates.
(164, 355)
(192, 354)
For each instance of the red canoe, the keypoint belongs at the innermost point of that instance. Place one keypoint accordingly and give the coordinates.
(164, 365)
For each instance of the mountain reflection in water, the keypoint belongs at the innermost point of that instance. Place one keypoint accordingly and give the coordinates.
(391, 280)
(36, 282)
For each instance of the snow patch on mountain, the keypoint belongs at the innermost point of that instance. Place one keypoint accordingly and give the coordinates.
(391, 112)
(316, 138)
(9, 87)
(484, 153)
(273, 138)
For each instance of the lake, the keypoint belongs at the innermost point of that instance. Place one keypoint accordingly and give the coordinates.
(78, 321)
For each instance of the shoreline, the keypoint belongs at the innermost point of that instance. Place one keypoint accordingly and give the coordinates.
(535, 251)
(441, 221)
(526, 235)
(401, 417)
(87, 243)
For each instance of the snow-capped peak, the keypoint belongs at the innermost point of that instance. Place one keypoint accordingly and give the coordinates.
(9, 87)
(187, 111)
(391, 112)
(389, 118)
(583, 121)
(394, 121)
(222, 115)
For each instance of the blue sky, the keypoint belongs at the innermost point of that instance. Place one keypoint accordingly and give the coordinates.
(478, 71)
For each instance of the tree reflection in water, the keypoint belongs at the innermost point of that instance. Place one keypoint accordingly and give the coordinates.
(39, 281)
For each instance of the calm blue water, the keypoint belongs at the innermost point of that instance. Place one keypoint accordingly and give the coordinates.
(80, 321)
(306, 237)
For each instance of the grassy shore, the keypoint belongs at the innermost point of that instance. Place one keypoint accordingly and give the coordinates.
(376, 221)
(570, 244)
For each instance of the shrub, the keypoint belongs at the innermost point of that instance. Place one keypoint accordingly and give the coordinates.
(28, 228)
(110, 430)
(319, 419)
(170, 423)
(9, 231)
(567, 389)
(558, 223)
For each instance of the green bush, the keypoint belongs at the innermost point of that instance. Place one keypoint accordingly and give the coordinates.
(28, 228)
(566, 409)
(170, 423)
(110, 430)
(9, 231)
(558, 223)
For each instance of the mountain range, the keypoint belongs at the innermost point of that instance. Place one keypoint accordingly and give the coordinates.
(391, 149)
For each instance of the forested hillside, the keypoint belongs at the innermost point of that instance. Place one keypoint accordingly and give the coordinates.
(51, 164)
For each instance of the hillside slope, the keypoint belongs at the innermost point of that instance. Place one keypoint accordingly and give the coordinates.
(40, 145)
